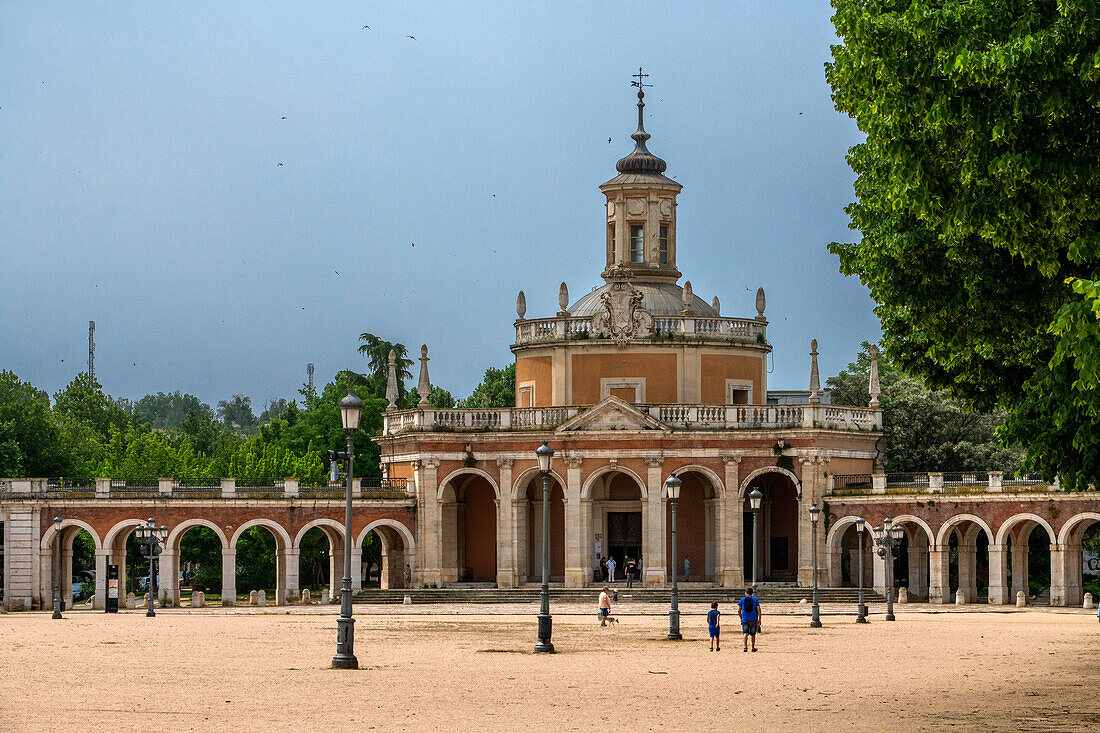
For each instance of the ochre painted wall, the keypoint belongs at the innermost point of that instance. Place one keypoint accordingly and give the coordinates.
(715, 369)
(480, 532)
(659, 371)
(539, 370)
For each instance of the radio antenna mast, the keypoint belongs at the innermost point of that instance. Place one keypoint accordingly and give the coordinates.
(91, 349)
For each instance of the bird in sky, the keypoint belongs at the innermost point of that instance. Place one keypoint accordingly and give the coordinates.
(280, 164)
(336, 271)
(284, 118)
(494, 195)
(412, 37)
(608, 141)
(800, 113)
(365, 28)
(414, 244)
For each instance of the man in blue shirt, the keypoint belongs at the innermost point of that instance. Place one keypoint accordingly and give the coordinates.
(748, 609)
(713, 626)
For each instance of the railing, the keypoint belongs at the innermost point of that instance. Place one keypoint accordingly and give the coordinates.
(230, 488)
(959, 483)
(747, 330)
(676, 417)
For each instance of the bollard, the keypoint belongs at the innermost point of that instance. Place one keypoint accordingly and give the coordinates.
(1088, 601)
(903, 595)
(131, 601)
(195, 602)
(305, 597)
(202, 599)
(261, 598)
(1021, 599)
(324, 597)
(253, 598)
(408, 600)
(960, 597)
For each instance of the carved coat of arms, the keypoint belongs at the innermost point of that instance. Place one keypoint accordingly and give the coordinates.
(623, 315)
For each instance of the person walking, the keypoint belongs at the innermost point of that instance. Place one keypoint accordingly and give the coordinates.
(748, 610)
(714, 628)
(605, 608)
(687, 569)
(611, 570)
(407, 576)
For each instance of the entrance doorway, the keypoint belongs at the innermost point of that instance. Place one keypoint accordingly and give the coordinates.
(624, 539)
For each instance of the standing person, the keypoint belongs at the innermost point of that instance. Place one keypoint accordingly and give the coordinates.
(603, 568)
(630, 572)
(713, 627)
(605, 608)
(687, 569)
(407, 576)
(748, 610)
(611, 570)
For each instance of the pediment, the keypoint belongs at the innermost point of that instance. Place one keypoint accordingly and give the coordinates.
(612, 414)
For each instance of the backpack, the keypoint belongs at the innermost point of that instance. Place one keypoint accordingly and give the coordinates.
(749, 604)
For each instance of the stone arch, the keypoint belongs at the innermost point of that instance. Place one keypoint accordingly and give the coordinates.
(837, 530)
(1016, 519)
(393, 558)
(519, 483)
(468, 471)
(770, 469)
(277, 530)
(126, 525)
(715, 480)
(177, 532)
(396, 525)
(1071, 525)
(952, 522)
(912, 519)
(48, 535)
(586, 489)
(322, 522)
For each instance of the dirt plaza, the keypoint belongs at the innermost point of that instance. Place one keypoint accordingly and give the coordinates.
(472, 668)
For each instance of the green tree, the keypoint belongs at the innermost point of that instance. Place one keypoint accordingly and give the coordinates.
(377, 352)
(30, 439)
(274, 410)
(256, 560)
(83, 401)
(976, 189)
(162, 410)
(926, 430)
(438, 398)
(237, 412)
(497, 389)
(201, 553)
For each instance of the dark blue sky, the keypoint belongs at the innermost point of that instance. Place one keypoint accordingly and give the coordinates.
(140, 185)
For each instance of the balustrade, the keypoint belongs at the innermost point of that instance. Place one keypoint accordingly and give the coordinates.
(573, 327)
(369, 487)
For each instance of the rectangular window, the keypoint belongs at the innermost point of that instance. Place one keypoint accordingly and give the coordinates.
(611, 243)
(637, 243)
(664, 244)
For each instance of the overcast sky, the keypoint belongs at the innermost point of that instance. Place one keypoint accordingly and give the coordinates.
(140, 184)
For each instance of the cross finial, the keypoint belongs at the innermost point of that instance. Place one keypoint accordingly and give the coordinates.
(640, 83)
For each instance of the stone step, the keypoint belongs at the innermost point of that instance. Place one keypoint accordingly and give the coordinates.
(451, 594)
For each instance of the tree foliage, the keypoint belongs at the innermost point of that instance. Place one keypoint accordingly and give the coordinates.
(925, 430)
(976, 189)
(162, 410)
(497, 389)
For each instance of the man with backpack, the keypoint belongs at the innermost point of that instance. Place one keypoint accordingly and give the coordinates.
(748, 610)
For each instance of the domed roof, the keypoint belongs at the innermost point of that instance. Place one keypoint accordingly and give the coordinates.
(661, 299)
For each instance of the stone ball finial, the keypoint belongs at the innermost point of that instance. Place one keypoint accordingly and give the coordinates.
(521, 305)
(563, 297)
(716, 305)
(393, 356)
(761, 302)
(424, 350)
(813, 347)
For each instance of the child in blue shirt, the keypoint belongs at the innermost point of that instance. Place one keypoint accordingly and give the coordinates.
(749, 610)
(713, 626)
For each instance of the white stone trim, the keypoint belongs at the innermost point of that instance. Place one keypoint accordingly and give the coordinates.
(637, 383)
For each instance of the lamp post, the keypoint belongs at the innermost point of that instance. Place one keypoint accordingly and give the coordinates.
(545, 455)
(815, 610)
(756, 497)
(57, 568)
(861, 611)
(672, 485)
(888, 536)
(153, 536)
(350, 407)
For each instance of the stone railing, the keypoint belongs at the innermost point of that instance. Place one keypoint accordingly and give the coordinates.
(541, 330)
(960, 482)
(677, 417)
(224, 488)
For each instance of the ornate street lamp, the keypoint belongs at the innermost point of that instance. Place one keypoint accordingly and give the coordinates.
(756, 498)
(861, 610)
(153, 537)
(672, 485)
(545, 455)
(350, 408)
(57, 568)
(815, 610)
(888, 536)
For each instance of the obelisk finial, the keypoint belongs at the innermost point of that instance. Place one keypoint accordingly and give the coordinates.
(424, 387)
(391, 381)
(815, 380)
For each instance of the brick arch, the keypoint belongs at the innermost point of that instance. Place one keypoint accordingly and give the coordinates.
(715, 481)
(837, 530)
(912, 519)
(586, 489)
(519, 484)
(1071, 525)
(320, 522)
(48, 535)
(952, 522)
(770, 469)
(276, 529)
(1016, 519)
(398, 526)
(177, 532)
(126, 524)
(471, 472)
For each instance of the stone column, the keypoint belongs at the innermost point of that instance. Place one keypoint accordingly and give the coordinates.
(833, 574)
(291, 558)
(507, 577)
(428, 527)
(168, 586)
(1058, 575)
(878, 571)
(939, 570)
(1019, 565)
(654, 547)
(100, 601)
(731, 530)
(968, 579)
(67, 575)
(998, 575)
(577, 539)
(281, 575)
(229, 576)
(356, 567)
(812, 489)
(1071, 572)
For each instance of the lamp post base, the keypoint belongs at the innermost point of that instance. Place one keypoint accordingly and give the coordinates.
(57, 613)
(345, 661)
(674, 626)
(890, 617)
(815, 617)
(546, 626)
(861, 614)
(345, 640)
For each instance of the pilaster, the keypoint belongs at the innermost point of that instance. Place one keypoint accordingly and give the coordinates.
(229, 577)
(654, 547)
(731, 527)
(507, 575)
(998, 575)
(578, 535)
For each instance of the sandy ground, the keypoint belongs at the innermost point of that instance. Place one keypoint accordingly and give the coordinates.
(445, 668)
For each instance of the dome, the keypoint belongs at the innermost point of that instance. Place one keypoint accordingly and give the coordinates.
(662, 299)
